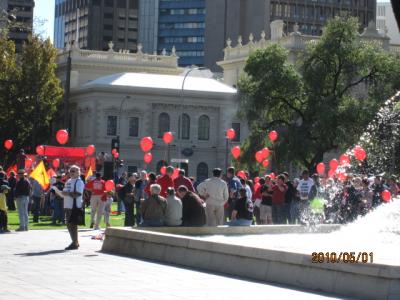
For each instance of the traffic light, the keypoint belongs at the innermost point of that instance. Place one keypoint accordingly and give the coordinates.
(115, 144)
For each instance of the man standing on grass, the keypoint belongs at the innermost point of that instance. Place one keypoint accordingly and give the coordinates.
(97, 187)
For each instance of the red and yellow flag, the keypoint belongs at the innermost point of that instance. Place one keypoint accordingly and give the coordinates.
(89, 173)
(40, 175)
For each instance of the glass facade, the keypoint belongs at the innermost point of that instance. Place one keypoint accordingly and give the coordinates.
(181, 24)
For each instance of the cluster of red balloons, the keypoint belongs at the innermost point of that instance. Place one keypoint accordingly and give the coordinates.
(262, 155)
(115, 153)
(146, 144)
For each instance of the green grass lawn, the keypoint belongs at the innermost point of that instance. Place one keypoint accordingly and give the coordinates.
(45, 221)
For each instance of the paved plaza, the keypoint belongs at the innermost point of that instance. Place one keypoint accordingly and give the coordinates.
(33, 265)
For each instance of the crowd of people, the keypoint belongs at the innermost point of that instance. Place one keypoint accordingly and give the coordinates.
(166, 200)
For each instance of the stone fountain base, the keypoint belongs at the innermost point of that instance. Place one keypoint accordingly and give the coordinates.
(365, 281)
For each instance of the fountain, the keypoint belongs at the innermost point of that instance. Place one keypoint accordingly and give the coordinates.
(283, 254)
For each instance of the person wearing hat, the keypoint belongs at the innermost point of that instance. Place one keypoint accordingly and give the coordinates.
(22, 192)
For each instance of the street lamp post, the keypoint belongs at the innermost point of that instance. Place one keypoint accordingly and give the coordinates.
(119, 125)
(180, 119)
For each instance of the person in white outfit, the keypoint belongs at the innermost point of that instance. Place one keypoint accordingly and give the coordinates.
(215, 192)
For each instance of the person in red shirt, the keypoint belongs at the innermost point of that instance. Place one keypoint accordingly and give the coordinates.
(152, 179)
(182, 180)
(278, 200)
(166, 181)
(97, 205)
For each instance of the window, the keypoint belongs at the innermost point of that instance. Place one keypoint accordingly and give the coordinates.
(109, 3)
(134, 126)
(202, 172)
(163, 124)
(108, 27)
(112, 125)
(236, 127)
(121, 4)
(185, 128)
(204, 128)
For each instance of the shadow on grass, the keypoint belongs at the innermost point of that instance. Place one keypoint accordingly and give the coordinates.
(42, 253)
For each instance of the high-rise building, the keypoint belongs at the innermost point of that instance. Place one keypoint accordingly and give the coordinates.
(22, 24)
(94, 23)
(386, 21)
(233, 18)
(181, 24)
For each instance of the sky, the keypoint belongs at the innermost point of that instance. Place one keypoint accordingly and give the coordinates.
(44, 10)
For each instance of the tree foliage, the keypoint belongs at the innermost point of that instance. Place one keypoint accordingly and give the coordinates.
(29, 92)
(322, 105)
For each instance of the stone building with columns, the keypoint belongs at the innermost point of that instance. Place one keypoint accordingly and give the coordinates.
(133, 95)
(235, 56)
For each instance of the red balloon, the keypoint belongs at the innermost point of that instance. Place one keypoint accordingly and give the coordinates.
(273, 136)
(265, 152)
(110, 185)
(146, 144)
(62, 136)
(265, 163)
(168, 137)
(40, 150)
(386, 196)
(321, 168)
(272, 175)
(8, 144)
(116, 154)
(236, 152)
(257, 179)
(359, 153)
(241, 174)
(344, 159)
(333, 164)
(163, 170)
(90, 150)
(28, 163)
(259, 156)
(56, 163)
(114, 151)
(331, 173)
(148, 157)
(230, 134)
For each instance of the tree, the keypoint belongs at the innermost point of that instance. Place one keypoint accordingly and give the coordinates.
(343, 82)
(29, 92)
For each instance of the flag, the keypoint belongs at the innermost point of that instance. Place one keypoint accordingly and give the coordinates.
(40, 175)
(89, 173)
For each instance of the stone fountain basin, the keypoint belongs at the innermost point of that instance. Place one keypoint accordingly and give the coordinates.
(180, 246)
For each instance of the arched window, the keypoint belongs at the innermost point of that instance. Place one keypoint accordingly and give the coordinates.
(163, 124)
(204, 128)
(202, 172)
(185, 128)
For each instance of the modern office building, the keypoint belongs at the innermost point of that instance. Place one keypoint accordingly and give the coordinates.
(94, 23)
(22, 10)
(386, 21)
(181, 23)
(233, 18)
